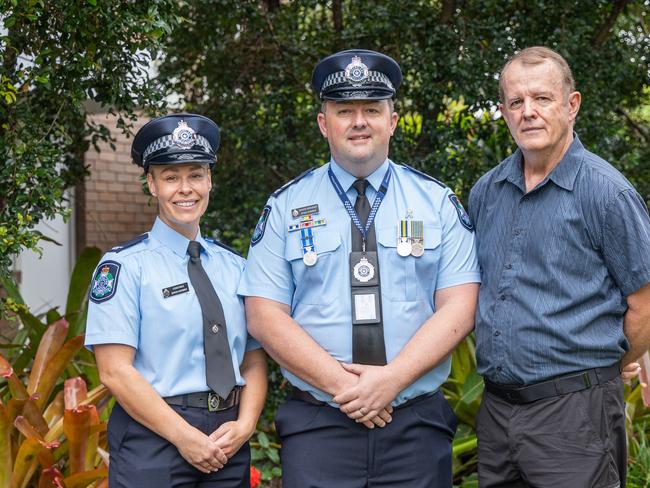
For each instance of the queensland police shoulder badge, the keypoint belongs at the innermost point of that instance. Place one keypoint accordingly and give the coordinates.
(105, 281)
(261, 225)
(462, 214)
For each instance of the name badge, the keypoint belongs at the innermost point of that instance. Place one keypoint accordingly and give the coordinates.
(170, 291)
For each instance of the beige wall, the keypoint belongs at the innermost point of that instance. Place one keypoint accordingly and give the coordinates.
(111, 206)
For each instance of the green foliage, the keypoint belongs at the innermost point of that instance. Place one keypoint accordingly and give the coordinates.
(50, 425)
(248, 66)
(639, 469)
(55, 57)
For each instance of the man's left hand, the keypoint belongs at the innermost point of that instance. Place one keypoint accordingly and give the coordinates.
(375, 390)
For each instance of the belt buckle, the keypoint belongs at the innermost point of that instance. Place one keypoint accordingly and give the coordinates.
(213, 402)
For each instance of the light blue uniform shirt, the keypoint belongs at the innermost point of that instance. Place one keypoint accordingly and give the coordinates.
(319, 296)
(167, 333)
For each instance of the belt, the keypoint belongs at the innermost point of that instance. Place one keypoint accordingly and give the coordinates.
(561, 385)
(307, 397)
(206, 399)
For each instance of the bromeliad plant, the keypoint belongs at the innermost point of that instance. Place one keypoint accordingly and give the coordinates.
(51, 427)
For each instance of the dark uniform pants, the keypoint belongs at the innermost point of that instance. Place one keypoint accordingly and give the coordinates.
(140, 458)
(323, 448)
(575, 440)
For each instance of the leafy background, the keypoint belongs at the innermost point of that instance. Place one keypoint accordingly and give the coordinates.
(247, 65)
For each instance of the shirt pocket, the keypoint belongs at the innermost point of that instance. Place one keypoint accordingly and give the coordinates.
(317, 284)
(408, 278)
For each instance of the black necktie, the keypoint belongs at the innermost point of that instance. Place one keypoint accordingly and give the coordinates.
(367, 339)
(219, 372)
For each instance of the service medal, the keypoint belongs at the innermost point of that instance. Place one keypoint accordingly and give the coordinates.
(417, 249)
(417, 238)
(363, 271)
(403, 242)
(404, 248)
(310, 258)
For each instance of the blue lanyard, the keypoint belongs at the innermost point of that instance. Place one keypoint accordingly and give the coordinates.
(381, 193)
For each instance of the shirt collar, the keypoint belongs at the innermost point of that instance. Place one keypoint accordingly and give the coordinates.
(172, 239)
(346, 179)
(563, 175)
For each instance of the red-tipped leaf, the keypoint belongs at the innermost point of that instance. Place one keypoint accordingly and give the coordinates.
(54, 368)
(50, 344)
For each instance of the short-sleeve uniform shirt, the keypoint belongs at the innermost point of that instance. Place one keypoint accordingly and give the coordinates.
(557, 263)
(319, 295)
(148, 303)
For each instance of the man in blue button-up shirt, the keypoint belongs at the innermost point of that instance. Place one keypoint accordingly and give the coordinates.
(358, 425)
(564, 248)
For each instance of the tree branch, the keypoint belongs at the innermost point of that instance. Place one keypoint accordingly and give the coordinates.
(603, 32)
(448, 8)
(643, 132)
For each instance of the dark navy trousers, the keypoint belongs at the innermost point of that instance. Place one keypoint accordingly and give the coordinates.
(139, 458)
(323, 448)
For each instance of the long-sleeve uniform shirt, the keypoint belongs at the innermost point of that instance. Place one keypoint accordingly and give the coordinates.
(319, 295)
(557, 263)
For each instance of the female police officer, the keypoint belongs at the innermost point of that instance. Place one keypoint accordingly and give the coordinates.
(169, 331)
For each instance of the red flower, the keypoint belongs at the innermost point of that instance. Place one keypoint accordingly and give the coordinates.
(256, 477)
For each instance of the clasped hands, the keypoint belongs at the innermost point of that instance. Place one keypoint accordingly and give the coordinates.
(209, 453)
(367, 394)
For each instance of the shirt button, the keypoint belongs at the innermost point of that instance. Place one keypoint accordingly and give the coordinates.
(497, 333)
(502, 297)
(517, 232)
(508, 266)
(499, 368)
(215, 328)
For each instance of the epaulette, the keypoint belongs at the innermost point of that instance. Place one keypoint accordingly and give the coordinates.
(291, 182)
(132, 242)
(221, 244)
(424, 175)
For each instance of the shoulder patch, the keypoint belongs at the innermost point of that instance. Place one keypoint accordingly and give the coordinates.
(424, 175)
(222, 245)
(104, 282)
(462, 213)
(261, 225)
(132, 242)
(289, 183)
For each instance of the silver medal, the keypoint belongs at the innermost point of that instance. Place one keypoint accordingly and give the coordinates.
(404, 248)
(310, 258)
(363, 271)
(417, 249)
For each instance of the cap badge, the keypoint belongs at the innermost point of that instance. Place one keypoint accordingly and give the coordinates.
(356, 72)
(184, 136)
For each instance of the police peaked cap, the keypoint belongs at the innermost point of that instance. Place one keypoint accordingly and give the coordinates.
(176, 139)
(356, 74)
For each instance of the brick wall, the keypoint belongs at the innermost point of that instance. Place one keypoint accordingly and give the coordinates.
(110, 205)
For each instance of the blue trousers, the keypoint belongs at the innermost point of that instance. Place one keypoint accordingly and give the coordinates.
(139, 458)
(323, 448)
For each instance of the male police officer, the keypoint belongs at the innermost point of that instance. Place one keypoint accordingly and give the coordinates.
(362, 278)
(564, 247)
(169, 331)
